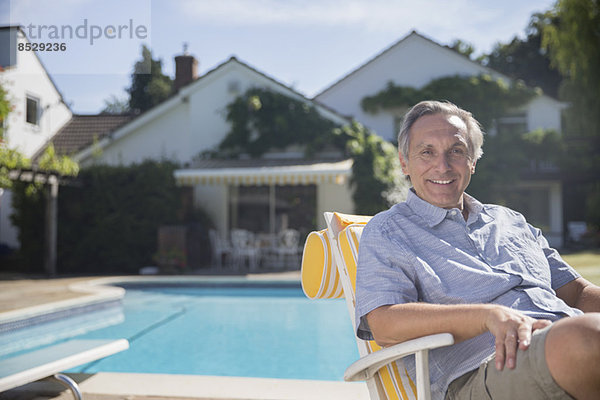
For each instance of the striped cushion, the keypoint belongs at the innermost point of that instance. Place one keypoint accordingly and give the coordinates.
(393, 379)
(319, 275)
(320, 278)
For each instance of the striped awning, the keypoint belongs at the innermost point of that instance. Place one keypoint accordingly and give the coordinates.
(333, 172)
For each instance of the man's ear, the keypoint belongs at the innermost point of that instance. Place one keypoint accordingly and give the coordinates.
(403, 163)
(473, 167)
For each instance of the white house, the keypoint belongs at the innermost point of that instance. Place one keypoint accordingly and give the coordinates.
(415, 61)
(39, 110)
(252, 193)
(260, 193)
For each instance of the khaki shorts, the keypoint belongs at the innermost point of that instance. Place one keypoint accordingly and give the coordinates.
(530, 379)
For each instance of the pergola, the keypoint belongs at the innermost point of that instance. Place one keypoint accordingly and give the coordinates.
(51, 180)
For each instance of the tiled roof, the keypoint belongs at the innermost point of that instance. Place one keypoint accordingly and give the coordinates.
(81, 131)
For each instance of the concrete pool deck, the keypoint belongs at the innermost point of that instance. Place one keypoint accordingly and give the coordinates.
(22, 296)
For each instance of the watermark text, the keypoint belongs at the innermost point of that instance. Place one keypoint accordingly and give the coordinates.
(90, 32)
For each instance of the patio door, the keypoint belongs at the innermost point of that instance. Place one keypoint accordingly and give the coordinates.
(272, 208)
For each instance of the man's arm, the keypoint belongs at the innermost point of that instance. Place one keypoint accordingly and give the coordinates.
(511, 328)
(581, 294)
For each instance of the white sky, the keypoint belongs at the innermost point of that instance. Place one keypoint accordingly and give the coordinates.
(306, 44)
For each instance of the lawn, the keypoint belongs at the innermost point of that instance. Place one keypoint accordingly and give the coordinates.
(587, 263)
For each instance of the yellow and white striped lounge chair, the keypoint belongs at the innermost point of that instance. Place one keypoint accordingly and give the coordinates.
(329, 271)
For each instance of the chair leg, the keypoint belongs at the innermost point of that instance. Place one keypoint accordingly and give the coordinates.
(70, 384)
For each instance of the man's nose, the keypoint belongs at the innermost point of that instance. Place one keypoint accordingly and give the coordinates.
(442, 163)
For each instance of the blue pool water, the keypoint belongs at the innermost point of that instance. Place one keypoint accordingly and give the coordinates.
(251, 330)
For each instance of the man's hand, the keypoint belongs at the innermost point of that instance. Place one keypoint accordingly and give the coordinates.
(512, 331)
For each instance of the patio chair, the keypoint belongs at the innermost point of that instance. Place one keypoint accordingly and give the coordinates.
(329, 271)
(220, 248)
(244, 248)
(286, 247)
(50, 361)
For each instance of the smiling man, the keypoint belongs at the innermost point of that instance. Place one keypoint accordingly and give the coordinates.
(526, 325)
(440, 164)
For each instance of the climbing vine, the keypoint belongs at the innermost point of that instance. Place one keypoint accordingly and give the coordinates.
(486, 98)
(262, 120)
(11, 159)
(376, 173)
(5, 109)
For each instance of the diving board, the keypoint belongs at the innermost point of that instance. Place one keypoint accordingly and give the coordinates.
(50, 361)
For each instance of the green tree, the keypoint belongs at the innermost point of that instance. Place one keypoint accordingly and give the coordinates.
(149, 86)
(526, 59)
(573, 42)
(115, 105)
(462, 47)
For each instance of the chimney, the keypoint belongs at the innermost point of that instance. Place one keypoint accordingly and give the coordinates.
(186, 69)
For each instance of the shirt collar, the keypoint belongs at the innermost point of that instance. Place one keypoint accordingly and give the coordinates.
(476, 210)
(433, 215)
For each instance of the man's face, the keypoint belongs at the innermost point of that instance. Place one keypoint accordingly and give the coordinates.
(438, 161)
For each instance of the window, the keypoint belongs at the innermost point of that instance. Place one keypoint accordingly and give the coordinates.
(33, 111)
(515, 123)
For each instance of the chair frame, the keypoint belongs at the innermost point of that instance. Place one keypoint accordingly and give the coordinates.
(369, 363)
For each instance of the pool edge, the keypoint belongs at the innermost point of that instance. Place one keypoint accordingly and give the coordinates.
(204, 387)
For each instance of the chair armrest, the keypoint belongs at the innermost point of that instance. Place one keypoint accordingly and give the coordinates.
(368, 365)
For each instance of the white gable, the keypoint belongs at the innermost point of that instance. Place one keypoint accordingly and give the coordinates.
(192, 121)
(413, 61)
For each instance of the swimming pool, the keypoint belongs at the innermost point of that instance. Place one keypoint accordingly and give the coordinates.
(250, 329)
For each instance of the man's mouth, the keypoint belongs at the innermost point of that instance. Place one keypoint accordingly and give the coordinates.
(441, 182)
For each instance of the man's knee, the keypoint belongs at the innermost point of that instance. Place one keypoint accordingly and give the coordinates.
(573, 354)
(576, 335)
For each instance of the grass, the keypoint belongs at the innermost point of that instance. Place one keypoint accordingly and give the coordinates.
(587, 263)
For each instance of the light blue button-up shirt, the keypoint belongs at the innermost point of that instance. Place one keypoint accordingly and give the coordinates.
(417, 252)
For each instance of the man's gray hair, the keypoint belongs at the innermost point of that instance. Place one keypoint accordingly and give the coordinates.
(429, 107)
